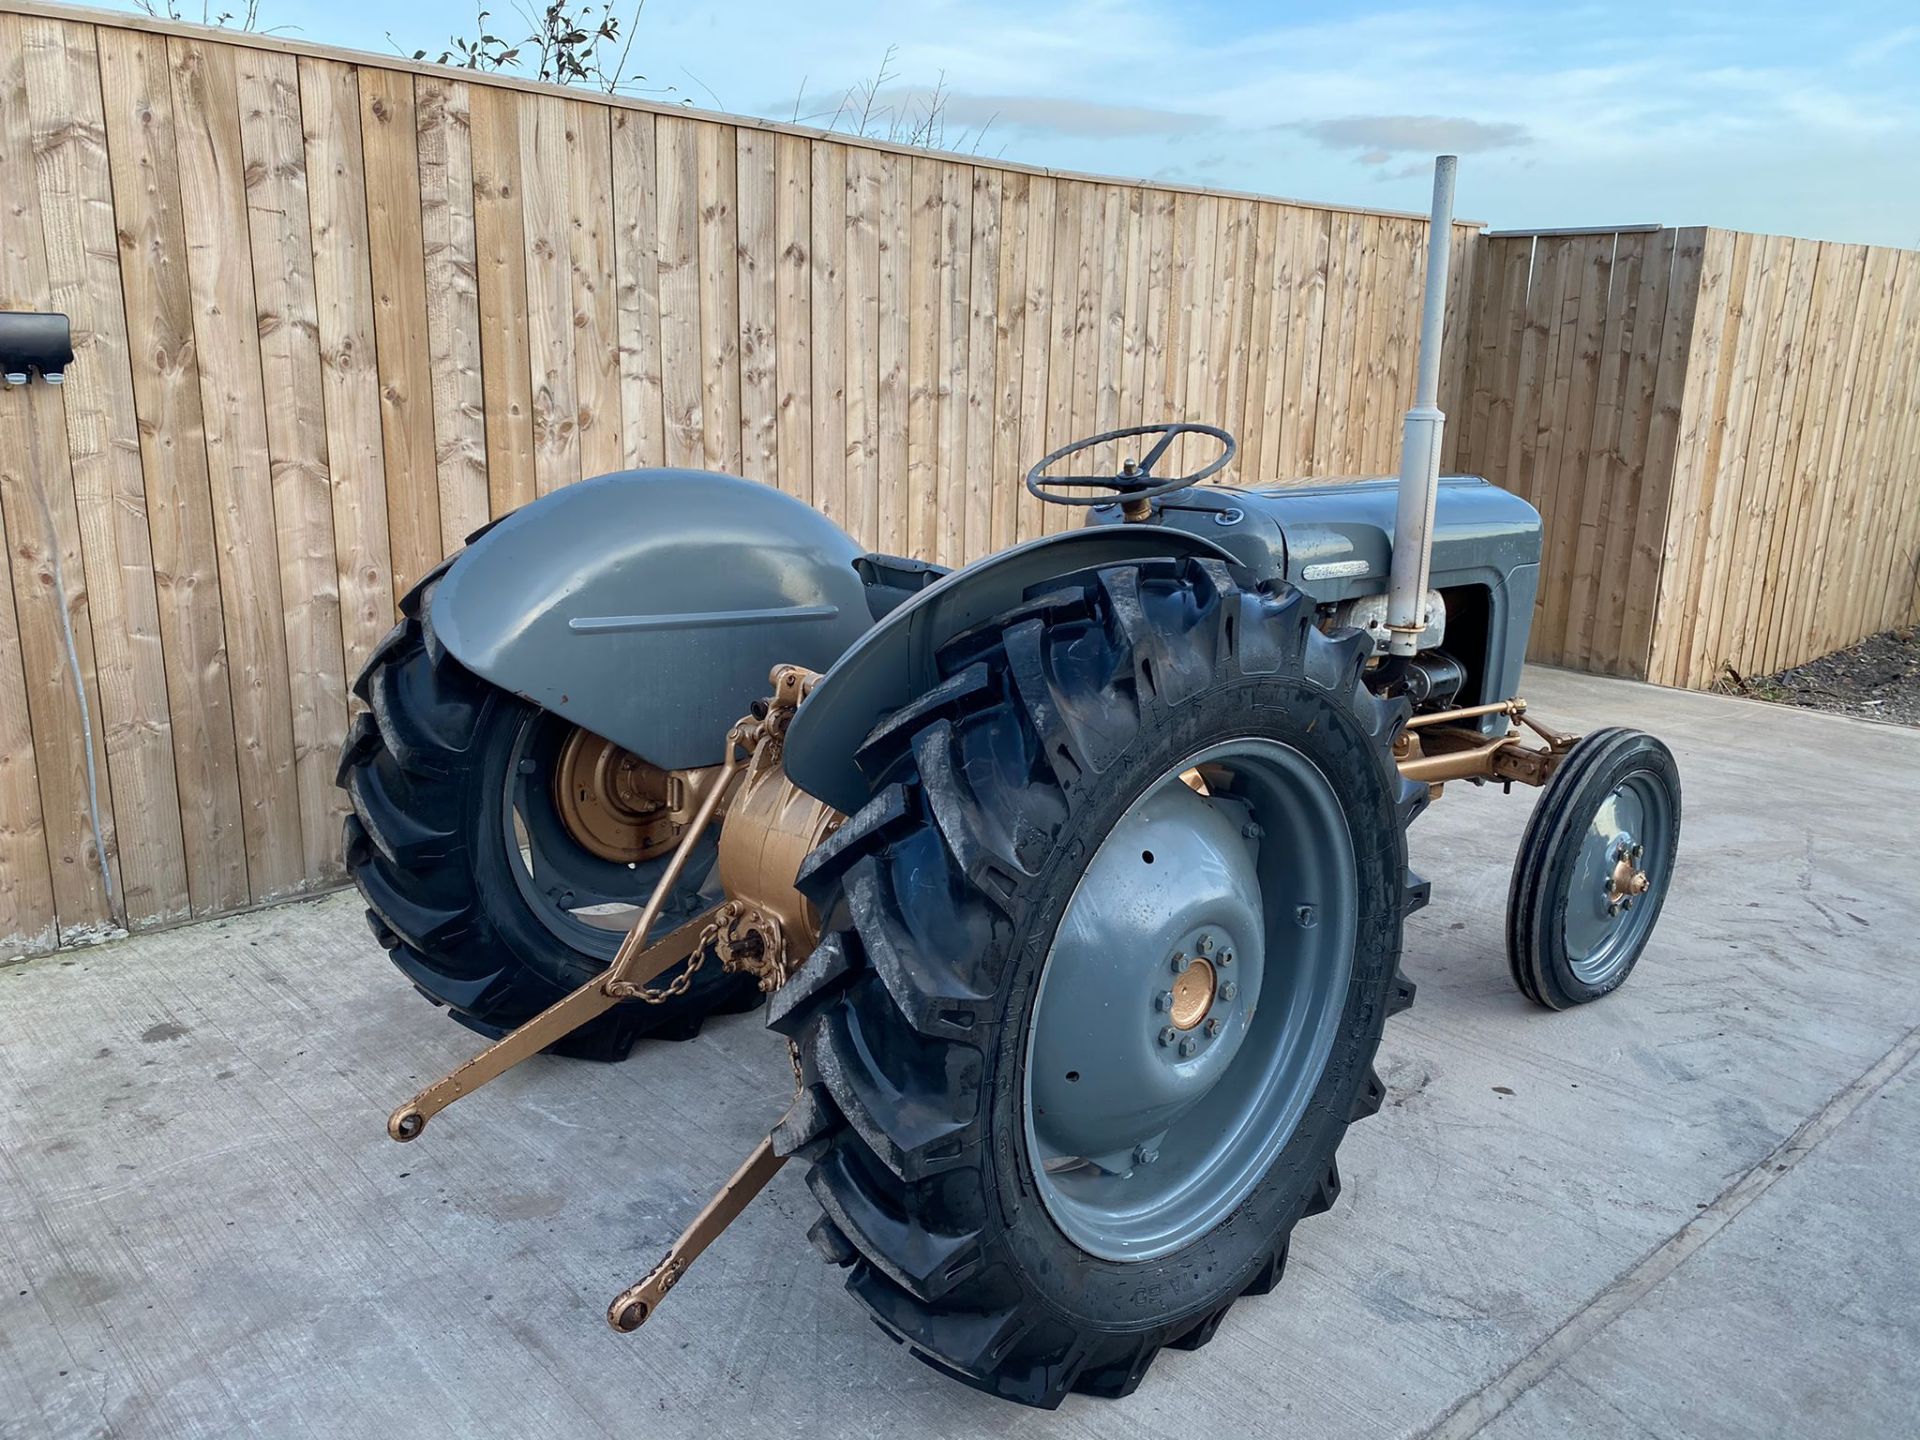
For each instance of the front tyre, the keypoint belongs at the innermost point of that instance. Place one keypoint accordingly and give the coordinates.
(1120, 928)
(1594, 867)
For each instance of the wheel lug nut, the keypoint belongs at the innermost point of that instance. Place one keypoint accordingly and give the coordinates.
(1180, 964)
(1226, 957)
(1187, 1047)
(1163, 1002)
(1166, 1035)
(1142, 1155)
(1213, 1028)
(1206, 945)
(1229, 990)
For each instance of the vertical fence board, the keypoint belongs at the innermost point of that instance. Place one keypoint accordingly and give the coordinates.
(980, 483)
(499, 233)
(1778, 427)
(757, 192)
(1037, 350)
(1604, 473)
(287, 311)
(1618, 469)
(233, 409)
(636, 260)
(793, 306)
(594, 317)
(546, 212)
(677, 174)
(923, 346)
(863, 346)
(159, 315)
(826, 294)
(1652, 515)
(1062, 306)
(1575, 421)
(27, 920)
(443, 115)
(39, 515)
(720, 300)
(69, 145)
(895, 342)
(349, 378)
(955, 299)
(397, 248)
(1009, 345)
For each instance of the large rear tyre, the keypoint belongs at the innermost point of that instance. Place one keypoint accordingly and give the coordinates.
(477, 882)
(1117, 936)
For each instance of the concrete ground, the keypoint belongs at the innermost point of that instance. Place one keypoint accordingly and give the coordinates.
(1688, 1210)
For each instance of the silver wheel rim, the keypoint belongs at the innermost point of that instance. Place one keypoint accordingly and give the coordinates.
(1602, 931)
(1190, 1000)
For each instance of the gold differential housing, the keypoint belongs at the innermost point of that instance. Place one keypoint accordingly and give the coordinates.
(616, 805)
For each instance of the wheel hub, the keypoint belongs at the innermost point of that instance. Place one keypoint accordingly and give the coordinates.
(616, 805)
(1189, 999)
(1613, 871)
(1192, 994)
(1121, 1047)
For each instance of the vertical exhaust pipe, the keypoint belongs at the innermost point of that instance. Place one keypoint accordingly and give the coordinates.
(1420, 440)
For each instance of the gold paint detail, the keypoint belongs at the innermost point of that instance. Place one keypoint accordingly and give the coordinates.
(763, 928)
(618, 806)
(635, 1305)
(1192, 995)
(1627, 881)
(558, 1020)
(1447, 749)
(745, 937)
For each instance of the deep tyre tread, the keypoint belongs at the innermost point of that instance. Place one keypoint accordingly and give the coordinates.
(1536, 952)
(420, 766)
(989, 793)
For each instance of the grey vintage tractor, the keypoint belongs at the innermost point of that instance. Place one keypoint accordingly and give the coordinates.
(1074, 879)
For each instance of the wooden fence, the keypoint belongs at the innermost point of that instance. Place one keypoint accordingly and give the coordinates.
(332, 312)
(1722, 433)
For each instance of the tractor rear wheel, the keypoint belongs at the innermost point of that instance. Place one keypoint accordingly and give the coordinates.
(494, 878)
(1118, 933)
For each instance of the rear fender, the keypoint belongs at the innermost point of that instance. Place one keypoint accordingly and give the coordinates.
(893, 663)
(649, 605)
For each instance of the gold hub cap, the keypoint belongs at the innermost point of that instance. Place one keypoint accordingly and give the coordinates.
(1627, 881)
(1192, 995)
(612, 802)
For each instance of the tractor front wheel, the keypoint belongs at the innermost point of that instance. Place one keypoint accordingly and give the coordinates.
(1593, 870)
(1121, 926)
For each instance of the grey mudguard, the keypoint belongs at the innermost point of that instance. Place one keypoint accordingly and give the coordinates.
(893, 663)
(649, 605)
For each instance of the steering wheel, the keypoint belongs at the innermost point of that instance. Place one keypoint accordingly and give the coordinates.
(1135, 483)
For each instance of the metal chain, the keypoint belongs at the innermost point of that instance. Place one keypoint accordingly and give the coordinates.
(681, 983)
(727, 935)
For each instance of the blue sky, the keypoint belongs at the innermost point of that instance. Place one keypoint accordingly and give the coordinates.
(1801, 119)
